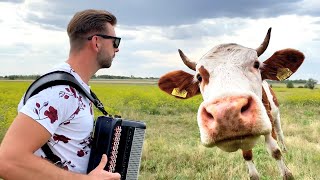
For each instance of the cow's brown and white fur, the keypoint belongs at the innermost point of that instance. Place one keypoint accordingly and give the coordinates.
(238, 104)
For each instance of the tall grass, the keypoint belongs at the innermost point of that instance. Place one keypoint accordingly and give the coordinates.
(172, 148)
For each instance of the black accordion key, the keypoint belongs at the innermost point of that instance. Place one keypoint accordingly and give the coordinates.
(122, 141)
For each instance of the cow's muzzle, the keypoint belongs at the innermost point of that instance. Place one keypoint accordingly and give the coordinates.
(232, 122)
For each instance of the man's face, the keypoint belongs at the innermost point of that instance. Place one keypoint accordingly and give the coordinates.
(107, 51)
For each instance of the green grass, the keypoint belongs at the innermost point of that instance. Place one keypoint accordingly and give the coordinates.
(172, 148)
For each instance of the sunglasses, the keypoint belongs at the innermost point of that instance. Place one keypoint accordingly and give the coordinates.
(116, 41)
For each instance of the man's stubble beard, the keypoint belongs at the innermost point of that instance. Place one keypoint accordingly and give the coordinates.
(104, 59)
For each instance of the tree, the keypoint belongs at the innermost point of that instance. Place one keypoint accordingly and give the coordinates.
(290, 84)
(311, 83)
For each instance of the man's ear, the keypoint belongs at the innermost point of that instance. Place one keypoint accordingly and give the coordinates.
(179, 84)
(282, 64)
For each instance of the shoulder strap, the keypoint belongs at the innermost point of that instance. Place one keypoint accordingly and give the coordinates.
(61, 78)
(51, 156)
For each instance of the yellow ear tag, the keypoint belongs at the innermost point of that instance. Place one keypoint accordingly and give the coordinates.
(178, 93)
(283, 73)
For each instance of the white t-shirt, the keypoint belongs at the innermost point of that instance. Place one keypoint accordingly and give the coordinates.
(68, 116)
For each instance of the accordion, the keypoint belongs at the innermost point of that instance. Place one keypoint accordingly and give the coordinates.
(121, 140)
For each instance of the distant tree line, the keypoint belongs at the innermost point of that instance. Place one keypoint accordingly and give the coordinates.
(298, 81)
(310, 83)
(33, 77)
(120, 77)
(20, 77)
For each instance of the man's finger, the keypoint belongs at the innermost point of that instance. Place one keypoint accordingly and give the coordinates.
(116, 176)
(103, 162)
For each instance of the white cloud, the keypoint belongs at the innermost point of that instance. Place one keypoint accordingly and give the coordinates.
(30, 48)
(308, 5)
(27, 48)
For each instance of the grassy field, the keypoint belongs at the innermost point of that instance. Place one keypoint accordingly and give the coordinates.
(172, 148)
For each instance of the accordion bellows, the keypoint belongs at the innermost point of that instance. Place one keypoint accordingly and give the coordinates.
(122, 141)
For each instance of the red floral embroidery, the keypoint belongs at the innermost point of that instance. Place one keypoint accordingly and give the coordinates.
(81, 105)
(73, 91)
(77, 111)
(52, 114)
(38, 109)
(91, 110)
(80, 153)
(67, 164)
(62, 138)
(70, 92)
(86, 146)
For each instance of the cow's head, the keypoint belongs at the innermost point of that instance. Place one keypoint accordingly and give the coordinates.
(229, 77)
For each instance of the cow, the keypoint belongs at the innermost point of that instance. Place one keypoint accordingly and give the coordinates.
(238, 104)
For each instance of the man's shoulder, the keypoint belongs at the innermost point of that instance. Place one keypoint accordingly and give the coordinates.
(60, 93)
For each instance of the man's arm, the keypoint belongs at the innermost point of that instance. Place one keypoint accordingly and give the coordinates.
(17, 160)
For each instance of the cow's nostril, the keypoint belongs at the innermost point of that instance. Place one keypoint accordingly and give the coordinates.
(246, 106)
(207, 114)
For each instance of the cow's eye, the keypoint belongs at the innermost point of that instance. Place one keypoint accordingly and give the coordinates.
(256, 64)
(199, 77)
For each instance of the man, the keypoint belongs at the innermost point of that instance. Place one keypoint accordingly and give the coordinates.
(59, 115)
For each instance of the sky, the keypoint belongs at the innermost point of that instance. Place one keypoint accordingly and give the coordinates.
(33, 37)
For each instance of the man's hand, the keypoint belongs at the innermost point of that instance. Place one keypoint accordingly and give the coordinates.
(100, 173)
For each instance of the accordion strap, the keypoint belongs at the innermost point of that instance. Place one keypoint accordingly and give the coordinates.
(51, 156)
(60, 78)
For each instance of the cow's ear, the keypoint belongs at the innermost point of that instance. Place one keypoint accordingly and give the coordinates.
(282, 64)
(179, 84)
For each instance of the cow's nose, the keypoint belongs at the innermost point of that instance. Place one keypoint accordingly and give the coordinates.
(229, 116)
(232, 122)
(229, 108)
